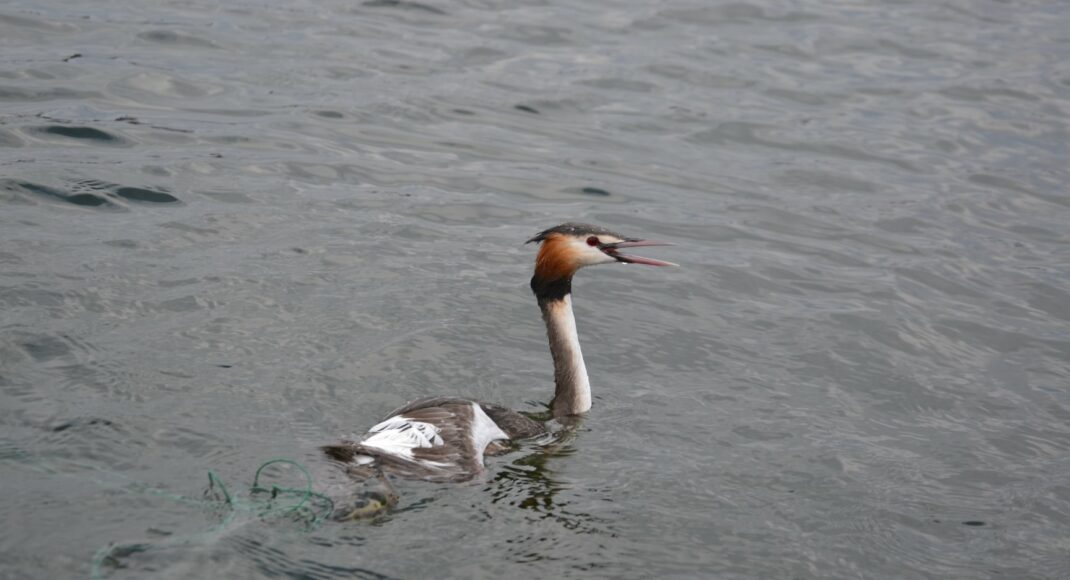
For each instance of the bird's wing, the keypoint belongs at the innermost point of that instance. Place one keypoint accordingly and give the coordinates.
(427, 402)
(516, 425)
(430, 442)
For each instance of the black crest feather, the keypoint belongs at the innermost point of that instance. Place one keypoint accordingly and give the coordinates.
(574, 229)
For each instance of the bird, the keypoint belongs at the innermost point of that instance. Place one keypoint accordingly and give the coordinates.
(445, 438)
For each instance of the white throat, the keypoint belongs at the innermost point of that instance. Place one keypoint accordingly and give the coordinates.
(572, 395)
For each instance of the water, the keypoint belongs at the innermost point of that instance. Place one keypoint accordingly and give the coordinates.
(234, 231)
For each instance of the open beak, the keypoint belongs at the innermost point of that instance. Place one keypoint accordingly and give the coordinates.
(613, 250)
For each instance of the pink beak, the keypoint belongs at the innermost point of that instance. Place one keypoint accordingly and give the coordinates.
(611, 249)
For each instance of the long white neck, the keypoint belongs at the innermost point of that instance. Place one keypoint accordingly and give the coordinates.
(572, 394)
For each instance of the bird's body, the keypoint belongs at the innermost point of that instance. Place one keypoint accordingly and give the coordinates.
(446, 438)
(436, 439)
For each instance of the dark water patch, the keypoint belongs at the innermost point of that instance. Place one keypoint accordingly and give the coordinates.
(966, 93)
(405, 5)
(81, 133)
(591, 191)
(455, 145)
(973, 523)
(82, 199)
(800, 97)
(45, 348)
(36, 23)
(145, 195)
(19, 94)
(86, 199)
(126, 244)
(588, 190)
(620, 85)
(176, 38)
(232, 140)
(81, 422)
(137, 194)
(526, 109)
(329, 114)
(91, 193)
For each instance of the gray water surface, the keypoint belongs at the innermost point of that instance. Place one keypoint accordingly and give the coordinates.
(233, 231)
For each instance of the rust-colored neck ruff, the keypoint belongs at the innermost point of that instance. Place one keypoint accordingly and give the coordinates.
(555, 260)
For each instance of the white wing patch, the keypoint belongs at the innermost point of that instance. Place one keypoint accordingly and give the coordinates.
(400, 435)
(484, 430)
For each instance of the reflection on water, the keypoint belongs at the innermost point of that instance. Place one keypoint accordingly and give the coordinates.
(530, 484)
(527, 482)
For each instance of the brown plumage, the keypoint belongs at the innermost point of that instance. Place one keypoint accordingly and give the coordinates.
(556, 259)
(456, 459)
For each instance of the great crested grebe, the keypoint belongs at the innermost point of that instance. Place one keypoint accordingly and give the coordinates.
(445, 438)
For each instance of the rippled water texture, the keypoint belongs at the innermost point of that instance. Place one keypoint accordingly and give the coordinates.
(232, 231)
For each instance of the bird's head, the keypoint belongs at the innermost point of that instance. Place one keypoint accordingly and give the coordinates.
(571, 246)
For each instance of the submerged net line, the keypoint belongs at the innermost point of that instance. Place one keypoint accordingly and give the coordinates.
(262, 502)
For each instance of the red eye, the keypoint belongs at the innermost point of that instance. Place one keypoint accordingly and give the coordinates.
(593, 241)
